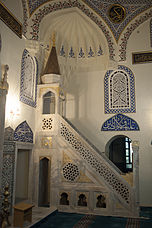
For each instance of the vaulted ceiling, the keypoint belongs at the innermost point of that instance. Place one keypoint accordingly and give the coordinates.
(132, 8)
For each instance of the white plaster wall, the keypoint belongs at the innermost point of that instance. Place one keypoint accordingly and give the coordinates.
(138, 42)
(11, 54)
(85, 107)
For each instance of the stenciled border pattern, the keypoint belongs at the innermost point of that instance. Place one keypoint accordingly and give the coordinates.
(132, 92)
(25, 16)
(31, 101)
(120, 122)
(129, 30)
(45, 10)
(9, 19)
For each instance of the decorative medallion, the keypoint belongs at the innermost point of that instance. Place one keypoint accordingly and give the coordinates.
(120, 122)
(116, 13)
(46, 142)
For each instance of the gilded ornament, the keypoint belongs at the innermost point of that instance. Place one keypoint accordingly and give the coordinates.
(116, 13)
(46, 142)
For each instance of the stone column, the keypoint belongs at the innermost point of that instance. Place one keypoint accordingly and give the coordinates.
(3, 92)
(135, 147)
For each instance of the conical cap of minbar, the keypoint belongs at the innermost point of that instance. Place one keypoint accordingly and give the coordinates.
(52, 65)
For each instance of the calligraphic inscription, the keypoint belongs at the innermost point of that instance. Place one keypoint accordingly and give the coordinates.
(10, 20)
(116, 13)
(120, 122)
(141, 57)
(23, 133)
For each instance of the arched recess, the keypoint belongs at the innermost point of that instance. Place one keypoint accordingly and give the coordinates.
(49, 103)
(119, 151)
(49, 96)
(52, 9)
(44, 182)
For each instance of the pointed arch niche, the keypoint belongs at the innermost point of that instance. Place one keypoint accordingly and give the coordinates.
(48, 99)
(73, 40)
(23, 133)
(44, 182)
(119, 88)
(49, 103)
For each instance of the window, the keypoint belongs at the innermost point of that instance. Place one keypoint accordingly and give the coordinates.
(129, 154)
(49, 103)
(121, 153)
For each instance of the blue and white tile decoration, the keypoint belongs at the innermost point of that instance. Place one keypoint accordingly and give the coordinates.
(120, 122)
(8, 170)
(131, 108)
(29, 78)
(9, 134)
(23, 133)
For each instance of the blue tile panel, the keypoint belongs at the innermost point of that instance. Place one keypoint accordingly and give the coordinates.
(120, 122)
(8, 171)
(29, 78)
(124, 91)
(23, 133)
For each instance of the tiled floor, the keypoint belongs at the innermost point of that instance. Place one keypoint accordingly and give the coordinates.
(37, 214)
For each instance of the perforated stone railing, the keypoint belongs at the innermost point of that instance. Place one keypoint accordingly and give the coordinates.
(98, 163)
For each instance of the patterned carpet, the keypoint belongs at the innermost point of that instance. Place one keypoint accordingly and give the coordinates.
(72, 220)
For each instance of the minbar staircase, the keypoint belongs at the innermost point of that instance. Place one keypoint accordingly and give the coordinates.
(100, 175)
(102, 168)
